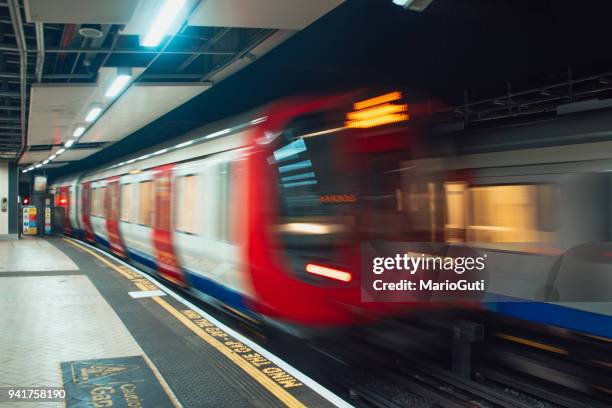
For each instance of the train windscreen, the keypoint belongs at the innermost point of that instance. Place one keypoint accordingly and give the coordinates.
(330, 186)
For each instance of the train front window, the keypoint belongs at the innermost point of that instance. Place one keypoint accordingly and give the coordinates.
(317, 193)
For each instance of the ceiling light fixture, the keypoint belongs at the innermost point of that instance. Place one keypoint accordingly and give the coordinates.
(184, 144)
(217, 134)
(60, 151)
(162, 22)
(46, 161)
(52, 157)
(94, 111)
(78, 132)
(69, 143)
(38, 165)
(121, 81)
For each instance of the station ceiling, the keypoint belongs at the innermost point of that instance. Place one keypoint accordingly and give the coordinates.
(454, 46)
(59, 58)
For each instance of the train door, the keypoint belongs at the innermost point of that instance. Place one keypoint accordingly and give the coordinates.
(163, 245)
(112, 217)
(61, 200)
(85, 211)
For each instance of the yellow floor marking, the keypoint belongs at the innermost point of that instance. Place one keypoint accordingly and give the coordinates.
(532, 343)
(260, 377)
(257, 375)
(100, 258)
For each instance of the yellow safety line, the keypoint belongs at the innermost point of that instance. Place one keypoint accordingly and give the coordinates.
(532, 343)
(141, 286)
(257, 375)
(260, 377)
(99, 257)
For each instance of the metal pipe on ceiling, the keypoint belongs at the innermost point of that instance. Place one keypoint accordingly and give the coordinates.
(40, 51)
(21, 46)
(54, 50)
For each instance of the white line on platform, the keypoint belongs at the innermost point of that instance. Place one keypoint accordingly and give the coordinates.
(312, 384)
(146, 293)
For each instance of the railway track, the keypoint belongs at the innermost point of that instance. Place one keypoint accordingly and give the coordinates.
(387, 377)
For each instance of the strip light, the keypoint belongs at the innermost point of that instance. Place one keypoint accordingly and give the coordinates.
(78, 132)
(162, 22)
(122, 80)
(329, 272)
(60, 151)
(93, 113)
(69, 143)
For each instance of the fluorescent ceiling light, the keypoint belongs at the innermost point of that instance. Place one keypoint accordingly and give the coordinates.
(402, 2)
(52, 157)
(162, 22)
(123, 78)
(69, 143)
(46, 161)
(162, 151)
(219, 133)
(24, 171)
(93, 113)
(78, 132)
(38, 165)
(184, 144)
(60, 151)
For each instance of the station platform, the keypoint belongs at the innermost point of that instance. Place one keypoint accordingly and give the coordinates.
(109, 335)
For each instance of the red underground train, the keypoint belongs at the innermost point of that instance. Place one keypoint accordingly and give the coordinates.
(263, 213)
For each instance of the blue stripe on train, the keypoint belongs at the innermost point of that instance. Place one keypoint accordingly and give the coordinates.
(101, 241)
(214, 289)
(555, 315)
(142, 258)
(205, 285)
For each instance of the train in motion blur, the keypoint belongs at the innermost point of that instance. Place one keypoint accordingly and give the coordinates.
(264, 214)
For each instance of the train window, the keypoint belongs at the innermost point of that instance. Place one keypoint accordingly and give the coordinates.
(102, 204)
(187, 218)
(145, 201)
(512, 213)
(93, 202)
(454, 226)
(126, 202)
(223, 201)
